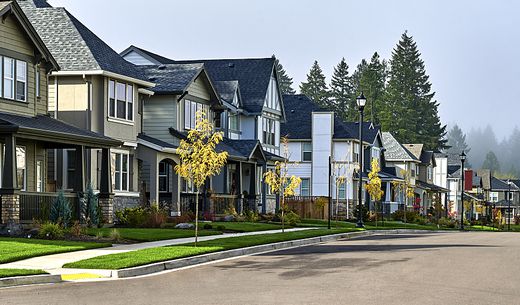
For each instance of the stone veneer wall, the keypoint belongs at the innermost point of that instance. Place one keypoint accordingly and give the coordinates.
(10, 208)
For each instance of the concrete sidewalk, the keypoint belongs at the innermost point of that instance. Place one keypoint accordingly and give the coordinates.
(53, 263)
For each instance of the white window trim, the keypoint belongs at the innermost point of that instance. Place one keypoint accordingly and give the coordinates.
(37, 79)
(196, 106)
(121, 172)
(19, 80)
(24, 188)
(65, 170)
(12, 79)
(310, 186)
(115, 118)
(304, 151)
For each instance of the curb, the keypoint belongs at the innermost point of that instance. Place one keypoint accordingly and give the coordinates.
(29, 280)
(204, 258)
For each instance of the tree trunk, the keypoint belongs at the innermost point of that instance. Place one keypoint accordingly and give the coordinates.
(282, 207)
(196, 217)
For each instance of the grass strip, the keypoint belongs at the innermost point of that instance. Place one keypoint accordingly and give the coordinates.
(145, 234)
(241, 227)
(19, 272)
(153, 255)
(14, 249)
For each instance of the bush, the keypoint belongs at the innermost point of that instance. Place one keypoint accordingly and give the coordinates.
(251, 216)
(220, 228)
(115, 235)
(267, 217)
(76, 230)
(61, 211)
(132, 217)
(207, 226)
(50, 230)
(364, 212)
(91, 207)
(185, 218)
(156, 216)
(411, 216)
(292, 218)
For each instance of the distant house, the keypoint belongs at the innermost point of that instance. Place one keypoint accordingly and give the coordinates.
(505, 194)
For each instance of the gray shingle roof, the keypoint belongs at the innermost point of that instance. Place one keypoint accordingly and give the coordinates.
(158, 59)
(227, 90)
(298, 125)
(155, 141)
(72, 44)
(394, 149)
(501, 185)
(238, 148)
(171, 78)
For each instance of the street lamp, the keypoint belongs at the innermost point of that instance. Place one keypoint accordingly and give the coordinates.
(462, 159)
(508, 205)
(361, 101)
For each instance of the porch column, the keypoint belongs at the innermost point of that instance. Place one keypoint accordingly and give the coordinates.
(79, 174)
(154, 181)
(105, 188)
(239, 187)
(9, 192)
(264, 189)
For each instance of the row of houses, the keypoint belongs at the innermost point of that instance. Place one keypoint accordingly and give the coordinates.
(74, 112)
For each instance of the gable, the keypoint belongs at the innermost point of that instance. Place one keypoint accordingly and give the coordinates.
(273, 98)
(137, 59)
(201, 87)
(14, 37)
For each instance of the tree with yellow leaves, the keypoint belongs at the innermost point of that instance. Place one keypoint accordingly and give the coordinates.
(279, 181)
(405, 187)
(374, 183)
(199, 160)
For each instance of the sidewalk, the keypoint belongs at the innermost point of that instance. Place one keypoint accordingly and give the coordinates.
(53, 263)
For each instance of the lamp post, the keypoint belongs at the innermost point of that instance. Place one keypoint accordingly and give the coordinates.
(508, 205)
(462, 159)
(361, 101)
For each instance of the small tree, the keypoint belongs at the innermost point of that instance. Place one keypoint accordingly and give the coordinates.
(61, 211)
(339, 179)
(91, 206)
(279, 181)
(405, 187)
(199, 159)
(374, 183)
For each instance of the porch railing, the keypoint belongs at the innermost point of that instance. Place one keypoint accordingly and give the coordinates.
(38, 205)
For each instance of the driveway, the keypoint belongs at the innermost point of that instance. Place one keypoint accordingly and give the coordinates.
(436, 268)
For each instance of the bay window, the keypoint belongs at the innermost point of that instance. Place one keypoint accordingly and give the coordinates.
(120, 170)
(120, 100)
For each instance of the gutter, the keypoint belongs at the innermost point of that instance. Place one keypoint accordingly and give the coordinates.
(104, 73)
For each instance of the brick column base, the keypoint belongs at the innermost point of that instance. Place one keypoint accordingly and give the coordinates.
(107, 209)
(10, 209)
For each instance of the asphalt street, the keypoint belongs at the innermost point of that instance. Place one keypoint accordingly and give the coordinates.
(435, 268)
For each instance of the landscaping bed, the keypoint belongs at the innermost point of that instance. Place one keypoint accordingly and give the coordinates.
(148, 234)
(14, 249)
(20, 272)
(158, 254)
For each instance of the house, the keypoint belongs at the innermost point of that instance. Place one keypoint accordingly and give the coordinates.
(426, 192)
(319, 140)
(95, 90)
(29, 135)
(504, 195)
(250, 112)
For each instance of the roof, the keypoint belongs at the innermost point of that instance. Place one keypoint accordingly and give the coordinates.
(44, 126)
(273, 157)
(14, 8)
(243, 149)
(171, 78)
(298, 124)
(227, 90)
(155, 141)
(395, 151)
(154, 57)
(72, 44)
(415, 149)
(501, 185)
(454, 171)
(432, 187)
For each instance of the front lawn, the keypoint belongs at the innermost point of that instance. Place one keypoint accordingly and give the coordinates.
(152, 255)
(387, 225)
(19, 272)
(14, 249)
(240, 227)
(145, 234)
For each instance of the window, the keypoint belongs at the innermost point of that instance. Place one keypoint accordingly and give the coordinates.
(305, 187)
(510, 195)
(430, 173)
(21, 81)
(187, 187)
(268, 126)
(493, 196)
(120, 100)
(71, 168)
(21, 166)
(37, 80)
(342, 191)
(163, 177)
(307, 151)
(120, 171)
(356, 153)
(190, 113)
(234, 122)
(8, 78)
(413, 170)
(39, 176)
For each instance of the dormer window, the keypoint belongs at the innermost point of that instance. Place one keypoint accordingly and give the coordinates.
(120, 100)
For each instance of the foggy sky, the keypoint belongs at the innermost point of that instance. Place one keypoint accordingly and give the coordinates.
(470, 47)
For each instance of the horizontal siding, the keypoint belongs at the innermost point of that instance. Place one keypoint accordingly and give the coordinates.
(199, 88)
(159, 114)
(13, 37)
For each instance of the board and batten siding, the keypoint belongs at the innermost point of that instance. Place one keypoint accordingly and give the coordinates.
(159, 114)
(322, 128)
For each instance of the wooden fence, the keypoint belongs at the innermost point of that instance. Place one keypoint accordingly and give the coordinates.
(311, 207)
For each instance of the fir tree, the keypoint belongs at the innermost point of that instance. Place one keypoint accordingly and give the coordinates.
(411, 111)
(91, 205)
(491, 163)
(315, 87)
(372, 82)
(61, 211)
(457, 141)
(341, 90)
(284, 81)
(353, 115)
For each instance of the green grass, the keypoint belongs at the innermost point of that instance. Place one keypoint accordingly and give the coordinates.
(370, 225)
(483, 228)
(245, 226)
(152, 255)
(14, 249)
(143, 235)
(19, 272)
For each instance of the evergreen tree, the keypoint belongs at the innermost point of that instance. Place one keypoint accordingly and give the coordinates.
(315, 87)
(341, 90)
(61, 211)
(353, 115)
(284, 81)
(491, 163)
(91, 203)
(457, 141)
(372, 81)
(411, 112)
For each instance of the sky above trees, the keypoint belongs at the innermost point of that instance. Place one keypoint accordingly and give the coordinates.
(468, 46)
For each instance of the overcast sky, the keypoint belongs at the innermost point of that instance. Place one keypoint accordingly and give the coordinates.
(469, 47)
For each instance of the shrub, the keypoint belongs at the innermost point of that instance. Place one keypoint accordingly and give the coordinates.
(411, 216)
(184, 218)
(76, 229)
(207, 226)
(364, 212)
(99, 235)
(156, 216)
(51, 230)
(132, 217)
(267, 217)
(91, 207)
(61, 211)
(220, 228)
(292, 218)
(251, 216)
(115, 235)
